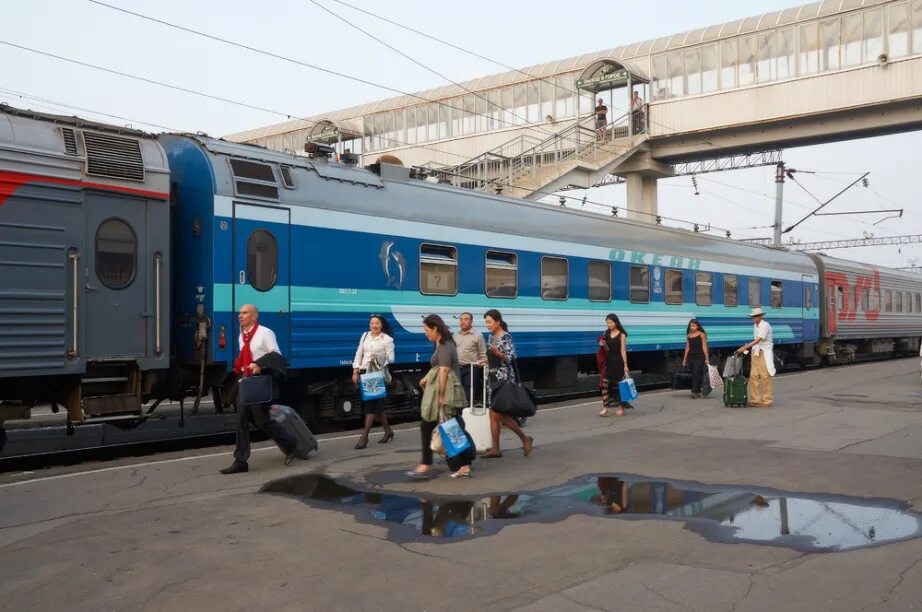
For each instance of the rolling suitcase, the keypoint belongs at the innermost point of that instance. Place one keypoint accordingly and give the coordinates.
(736, 392)
(295, 426)
(477, 420)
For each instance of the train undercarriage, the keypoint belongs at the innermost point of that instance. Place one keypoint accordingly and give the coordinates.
(120, 396)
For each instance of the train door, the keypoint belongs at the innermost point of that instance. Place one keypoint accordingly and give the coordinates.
(810, 309)
(117, 277)
(261, 266)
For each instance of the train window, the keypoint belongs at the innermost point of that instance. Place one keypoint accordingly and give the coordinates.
(286, 176)
(808, 297)
(262, 260)
(918, 307)
(252, 170)
(640, 284)
(254, 179)
(873, 300)
(438, 269)
(673, 287)
(897, 301)
(864, 298)
(907, 302)
(840, 298)
(888, 301)
(554, 278)
(599, 281)
(502, 275)
(755, 292)
(731, 290)
(777, 294)
(116, 253)
(704, 289)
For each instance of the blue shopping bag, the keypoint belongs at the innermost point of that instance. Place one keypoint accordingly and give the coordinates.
(627, 389)
(453, 438)
(373, 386)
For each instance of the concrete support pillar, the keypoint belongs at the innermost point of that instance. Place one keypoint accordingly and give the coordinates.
(641, 197)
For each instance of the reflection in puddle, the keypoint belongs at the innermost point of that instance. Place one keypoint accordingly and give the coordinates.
(811, 523)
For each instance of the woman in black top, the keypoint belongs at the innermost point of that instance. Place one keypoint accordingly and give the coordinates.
(696, 355)
(616, 368)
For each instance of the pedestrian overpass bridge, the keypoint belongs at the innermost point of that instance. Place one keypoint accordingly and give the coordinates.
(822, 72)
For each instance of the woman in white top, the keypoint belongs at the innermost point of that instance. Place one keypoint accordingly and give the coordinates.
(376, 350)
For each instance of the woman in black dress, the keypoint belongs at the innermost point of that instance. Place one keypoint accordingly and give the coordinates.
(696, 355)
(615, 347)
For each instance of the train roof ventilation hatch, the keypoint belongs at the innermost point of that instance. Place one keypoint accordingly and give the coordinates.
(70, 140)
(113, 156)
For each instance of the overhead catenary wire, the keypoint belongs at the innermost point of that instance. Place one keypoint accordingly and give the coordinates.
(493, 61)
(23, 95)
(427, 67)
(786, 202)
(190, 91)
(290, 60)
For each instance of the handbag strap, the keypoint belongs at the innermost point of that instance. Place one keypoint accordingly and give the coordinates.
(515, 368)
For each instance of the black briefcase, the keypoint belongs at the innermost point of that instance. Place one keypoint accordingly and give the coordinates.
(255, 390)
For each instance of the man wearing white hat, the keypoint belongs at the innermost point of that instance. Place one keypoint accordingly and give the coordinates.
(762, 366)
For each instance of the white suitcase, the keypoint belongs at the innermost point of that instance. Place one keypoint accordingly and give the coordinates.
(477, 420)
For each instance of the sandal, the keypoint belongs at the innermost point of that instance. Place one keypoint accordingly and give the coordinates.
(604, 412)
(460, 474)
(491, 454)
(526, 450)
(415, 475)
(619, 412)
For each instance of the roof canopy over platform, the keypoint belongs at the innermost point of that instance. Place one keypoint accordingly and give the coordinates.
(605, 74)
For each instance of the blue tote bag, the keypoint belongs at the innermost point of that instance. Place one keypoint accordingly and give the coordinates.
(627, 389)
(453, 438)
(373, 385)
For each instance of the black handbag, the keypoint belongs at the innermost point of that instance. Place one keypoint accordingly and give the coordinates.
(682, 378)
(513, 399)
(255, 390)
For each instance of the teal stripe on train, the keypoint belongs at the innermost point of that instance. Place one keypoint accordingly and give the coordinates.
(323, 299)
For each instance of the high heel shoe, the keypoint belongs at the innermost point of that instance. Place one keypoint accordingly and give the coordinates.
(387, 437)
(361, 444)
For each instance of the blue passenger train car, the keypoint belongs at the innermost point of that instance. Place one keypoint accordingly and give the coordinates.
(318, 247)
(125, 259)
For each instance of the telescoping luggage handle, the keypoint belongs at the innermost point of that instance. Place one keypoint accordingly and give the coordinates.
(483, 409)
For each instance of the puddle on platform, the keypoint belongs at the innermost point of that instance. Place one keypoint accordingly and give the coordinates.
(809, 523)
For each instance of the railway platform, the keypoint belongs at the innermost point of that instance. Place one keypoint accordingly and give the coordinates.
(683, 504)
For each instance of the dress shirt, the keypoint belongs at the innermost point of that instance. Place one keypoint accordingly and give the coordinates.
(263, 342)
(379, 349)
(471, 347)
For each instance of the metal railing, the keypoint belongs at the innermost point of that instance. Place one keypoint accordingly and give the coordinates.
(509, 163)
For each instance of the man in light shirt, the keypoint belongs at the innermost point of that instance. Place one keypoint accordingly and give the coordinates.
(259, 351)
(471, 350)
(762, 366)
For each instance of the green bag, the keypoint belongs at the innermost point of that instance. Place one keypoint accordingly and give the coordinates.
(736, 391)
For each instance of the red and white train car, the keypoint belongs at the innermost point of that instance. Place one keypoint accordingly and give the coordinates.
(868, 309)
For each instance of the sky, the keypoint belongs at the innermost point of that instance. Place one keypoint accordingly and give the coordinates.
(517, 33)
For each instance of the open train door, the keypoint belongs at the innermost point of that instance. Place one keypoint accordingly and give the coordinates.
(262, 268)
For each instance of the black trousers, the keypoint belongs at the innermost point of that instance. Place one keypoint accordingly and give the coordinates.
(696, 367)
(425, 429)
(477, 380)
(258, 415)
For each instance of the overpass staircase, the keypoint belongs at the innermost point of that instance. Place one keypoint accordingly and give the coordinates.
(528, 167)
